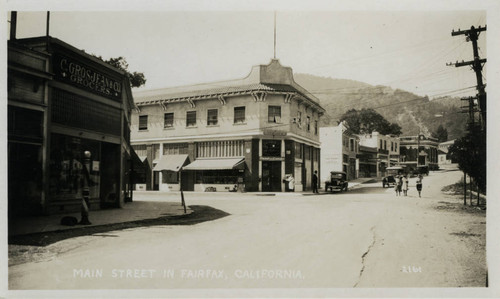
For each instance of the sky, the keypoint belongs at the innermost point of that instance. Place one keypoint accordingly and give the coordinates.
(402, 48)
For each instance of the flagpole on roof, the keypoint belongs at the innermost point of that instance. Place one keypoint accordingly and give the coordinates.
(48, 23)
(274, 34)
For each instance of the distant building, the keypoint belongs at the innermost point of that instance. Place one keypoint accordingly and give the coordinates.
(251, 133)
(388, 152)
(420, 147)
(443, 149)
(61, 103)
(368, 162)
(339, 149)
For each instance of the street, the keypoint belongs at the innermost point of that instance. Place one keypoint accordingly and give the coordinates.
(365, 237)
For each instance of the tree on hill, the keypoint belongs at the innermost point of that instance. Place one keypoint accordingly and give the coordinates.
(441, 134)
(136, 79)
(366, 121)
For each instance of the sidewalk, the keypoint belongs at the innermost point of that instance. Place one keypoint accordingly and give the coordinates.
(146, 205)
(132, 211)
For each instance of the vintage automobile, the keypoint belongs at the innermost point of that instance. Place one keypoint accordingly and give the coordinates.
(390, 178)
(338, 181)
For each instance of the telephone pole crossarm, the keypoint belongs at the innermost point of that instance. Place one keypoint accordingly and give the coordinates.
(469, 31)
(464, 63)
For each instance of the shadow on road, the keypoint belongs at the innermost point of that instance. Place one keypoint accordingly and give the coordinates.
(199, 214)
(371, 190)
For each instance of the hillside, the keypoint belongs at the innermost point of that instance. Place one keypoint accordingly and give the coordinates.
(404, 108)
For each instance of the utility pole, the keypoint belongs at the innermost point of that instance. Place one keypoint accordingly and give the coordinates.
(471, 110)
(13, 25)
(477, 65)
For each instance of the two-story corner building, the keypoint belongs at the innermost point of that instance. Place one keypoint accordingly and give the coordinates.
(250, 133)
(339, 150)
(62, 103)
(388, 149)
(421, 146)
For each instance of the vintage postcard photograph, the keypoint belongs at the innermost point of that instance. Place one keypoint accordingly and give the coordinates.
(250, 149)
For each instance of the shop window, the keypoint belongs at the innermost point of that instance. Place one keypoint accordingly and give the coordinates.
(212, 117)
(191, 119)
(143, 122)
(217, 177)
(271, 148)
(239, 115)
(168, 120)
(66, 167)
(274, 114)
(170, 177)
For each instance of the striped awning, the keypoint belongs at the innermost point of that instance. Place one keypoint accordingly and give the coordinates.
(217, 164)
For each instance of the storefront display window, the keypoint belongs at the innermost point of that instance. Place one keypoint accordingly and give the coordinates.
(170, 177)
(217, 177)
(66, 167)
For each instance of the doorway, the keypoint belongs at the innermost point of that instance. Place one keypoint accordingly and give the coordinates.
(271, 176)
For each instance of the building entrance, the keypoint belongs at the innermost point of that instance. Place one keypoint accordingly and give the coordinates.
(271, 176)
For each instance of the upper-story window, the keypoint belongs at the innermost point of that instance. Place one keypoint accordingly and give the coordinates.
(239, 115)
(308, 123)
(143, 122)
(385, 144)
(191, 119)
(168, 120)
(351, 144)
(212, 117)
(315, 127)
(381, 144)
(274, 114)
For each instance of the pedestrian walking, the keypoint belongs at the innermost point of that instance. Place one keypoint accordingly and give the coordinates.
(405, 185)
(399, 184)
(419, 185)
(396, 188)
(315, 182)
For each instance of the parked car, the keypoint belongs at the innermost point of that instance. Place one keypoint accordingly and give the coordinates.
(337, 181)
(390, 178)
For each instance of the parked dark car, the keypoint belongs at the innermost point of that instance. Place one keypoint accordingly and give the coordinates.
(338, 181)
(390, 178)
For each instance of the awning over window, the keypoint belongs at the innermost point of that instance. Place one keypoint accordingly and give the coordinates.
(171, 162)
(217, 164)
